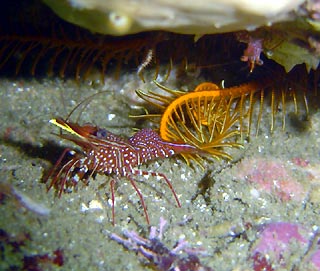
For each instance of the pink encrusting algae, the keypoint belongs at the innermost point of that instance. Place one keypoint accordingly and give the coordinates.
(278, 241)
(273, 177)
(315, 258)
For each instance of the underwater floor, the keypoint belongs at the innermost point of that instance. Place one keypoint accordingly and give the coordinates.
(233, 213)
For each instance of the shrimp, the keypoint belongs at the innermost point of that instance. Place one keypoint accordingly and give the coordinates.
(106, 153)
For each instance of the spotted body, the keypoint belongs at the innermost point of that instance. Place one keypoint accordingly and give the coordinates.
(103, 152)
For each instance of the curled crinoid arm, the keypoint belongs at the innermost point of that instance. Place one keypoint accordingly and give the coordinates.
(146, 61)
(157, 254)
(203, 119)
(198, 118)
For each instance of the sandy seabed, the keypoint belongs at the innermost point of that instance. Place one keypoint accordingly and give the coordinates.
(224, 221)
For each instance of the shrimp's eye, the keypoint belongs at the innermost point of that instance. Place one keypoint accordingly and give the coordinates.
(101, 133)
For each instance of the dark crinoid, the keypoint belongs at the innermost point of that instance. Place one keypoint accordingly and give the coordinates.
(35, 41)
(75, 54)
(44, 42)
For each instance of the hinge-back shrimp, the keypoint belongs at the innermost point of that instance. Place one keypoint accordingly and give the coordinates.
(106, 153)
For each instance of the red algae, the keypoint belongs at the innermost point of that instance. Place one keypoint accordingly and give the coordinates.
(23, 259)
